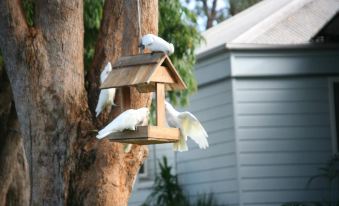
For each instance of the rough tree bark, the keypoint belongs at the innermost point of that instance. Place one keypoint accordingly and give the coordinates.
(44, 63)
(14, 177)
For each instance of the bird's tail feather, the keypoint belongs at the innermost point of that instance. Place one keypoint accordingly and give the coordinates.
(104, 134)
(97, 112)
(181, 145)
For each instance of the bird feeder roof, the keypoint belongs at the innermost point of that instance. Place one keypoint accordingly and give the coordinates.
(143, 71)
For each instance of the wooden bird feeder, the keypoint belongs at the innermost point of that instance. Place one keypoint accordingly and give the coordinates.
(148, 73)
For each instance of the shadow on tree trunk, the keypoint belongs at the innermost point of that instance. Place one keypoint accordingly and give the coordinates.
(14, 174)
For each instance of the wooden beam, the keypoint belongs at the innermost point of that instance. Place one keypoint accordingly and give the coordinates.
(145, 135)
(128, 76)
(140, 59)
(160, 100)
(145, 88)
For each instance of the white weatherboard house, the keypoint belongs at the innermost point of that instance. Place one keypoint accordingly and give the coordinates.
(269, 100)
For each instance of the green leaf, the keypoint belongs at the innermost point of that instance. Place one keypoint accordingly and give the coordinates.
(178, 25)
(28, 7)
(93, 10)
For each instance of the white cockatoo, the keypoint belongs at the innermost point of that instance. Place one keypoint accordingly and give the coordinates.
(189, 126)
(155, 43)
(128, 120)
(106, 96)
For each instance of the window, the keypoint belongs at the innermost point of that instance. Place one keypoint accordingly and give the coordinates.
(143, 170)
(334, 94)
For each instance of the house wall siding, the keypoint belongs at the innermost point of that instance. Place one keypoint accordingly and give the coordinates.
(212, 170)
(292, 62)
(269, 129)
(283, 137)
(212, 105)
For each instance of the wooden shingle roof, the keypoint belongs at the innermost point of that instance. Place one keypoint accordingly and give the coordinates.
(144, 70)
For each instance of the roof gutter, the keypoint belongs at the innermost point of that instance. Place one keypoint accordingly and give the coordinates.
(211, 52)
(264, 47)
(305, 46)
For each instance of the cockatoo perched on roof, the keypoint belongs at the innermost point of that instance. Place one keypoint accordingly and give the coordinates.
(129, 119)
(189, 126)
(155, 43)
(106, 96)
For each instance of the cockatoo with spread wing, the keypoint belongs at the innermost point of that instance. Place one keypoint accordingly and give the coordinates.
(106, 96)
(189, 126)
(128, 120)
(155, 43)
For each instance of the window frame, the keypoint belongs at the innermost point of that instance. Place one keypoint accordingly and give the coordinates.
(144, 175)
(332, 110)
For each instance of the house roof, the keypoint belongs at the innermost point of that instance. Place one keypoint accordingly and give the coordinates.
(272, 22)
(143, 71)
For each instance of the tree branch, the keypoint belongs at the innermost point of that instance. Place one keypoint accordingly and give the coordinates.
(205, 7)
(214, 8)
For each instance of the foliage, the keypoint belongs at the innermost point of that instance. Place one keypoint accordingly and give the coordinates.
(178, 25)
(166, 190)
(1, 60)
(93, 10)
(331, 174)
(206, 200)
(310, 204)
(302, 204)
(237, 6)
(28, 7)
(205, 9)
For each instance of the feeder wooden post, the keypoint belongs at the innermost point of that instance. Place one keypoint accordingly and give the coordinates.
(160, 99)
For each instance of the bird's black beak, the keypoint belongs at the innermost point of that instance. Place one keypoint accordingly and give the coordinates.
(141, 46)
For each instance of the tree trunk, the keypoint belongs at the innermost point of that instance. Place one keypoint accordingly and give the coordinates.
(68, 165)
(210, 13)
(14, 176)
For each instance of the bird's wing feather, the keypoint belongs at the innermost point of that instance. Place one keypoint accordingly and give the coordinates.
(181, 145)
(190, 126)
(110, 128)
(147, 40)
(117, 125)
(111, 95)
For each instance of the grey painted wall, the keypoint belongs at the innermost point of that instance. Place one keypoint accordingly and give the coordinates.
(213, 170)
(283, 136)
(285, 62)
(268, 119)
